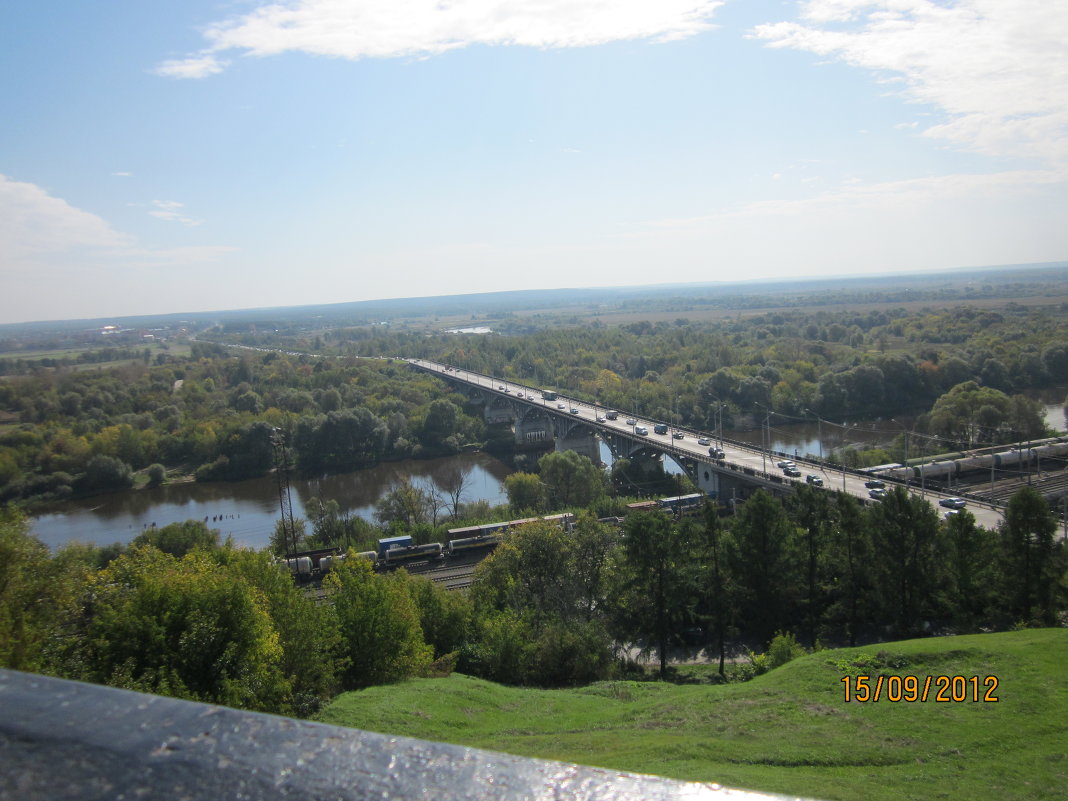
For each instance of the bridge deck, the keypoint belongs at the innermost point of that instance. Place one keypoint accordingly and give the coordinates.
(741, 460)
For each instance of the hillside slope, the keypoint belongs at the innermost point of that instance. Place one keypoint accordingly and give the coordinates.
(789, 731)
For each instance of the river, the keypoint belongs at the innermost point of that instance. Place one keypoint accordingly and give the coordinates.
(247, 510)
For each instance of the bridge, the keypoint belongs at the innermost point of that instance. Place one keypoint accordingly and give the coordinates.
(572, 424)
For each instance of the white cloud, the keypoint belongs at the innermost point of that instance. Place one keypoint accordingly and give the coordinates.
(998, 69)
(123, 174)
(33, 222)
(199, 66)
(170, 210)
(353, 29)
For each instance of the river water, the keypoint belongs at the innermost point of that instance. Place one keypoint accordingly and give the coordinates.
(247, 510)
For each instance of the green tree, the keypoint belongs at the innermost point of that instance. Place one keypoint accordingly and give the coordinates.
(36, 592)
(1032, 560)
(526, 492)
(969, 555)
(658, 581)
(181, 627)
(764, 563)
(178, 539)
(379, 623)
(409, 505)
(905, 532)
(571, 479)
(308, 632)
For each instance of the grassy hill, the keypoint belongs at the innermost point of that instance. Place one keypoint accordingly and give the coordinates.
(789, 731)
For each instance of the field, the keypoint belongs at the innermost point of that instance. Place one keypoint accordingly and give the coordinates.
(789, 731)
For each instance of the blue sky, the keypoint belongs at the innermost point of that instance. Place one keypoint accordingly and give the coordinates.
(217, 154)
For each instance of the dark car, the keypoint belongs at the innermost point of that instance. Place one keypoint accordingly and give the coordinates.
(792, 472)
(875, 484)
(814, 480)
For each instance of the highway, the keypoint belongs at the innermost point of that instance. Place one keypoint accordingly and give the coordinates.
(737, 456)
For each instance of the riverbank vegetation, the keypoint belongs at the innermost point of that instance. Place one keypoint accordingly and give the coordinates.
(960, 372)
(179, 613)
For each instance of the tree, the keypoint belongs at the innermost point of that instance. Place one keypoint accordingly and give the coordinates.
(180, 627)
(379, 623)
(968, 552)
(526, 492)
(713, 556)
(105, 473)
(1032, 560)
(572, 479)
(157, 473)
(455, 480)
(763, 562)
(178, 539)
(658, 581)
(308, 632)
(36, 592)
(905, 533)
(407, 504)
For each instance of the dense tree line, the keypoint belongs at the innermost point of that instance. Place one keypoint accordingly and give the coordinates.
(796, 364)
(178, 613)
(215, 415)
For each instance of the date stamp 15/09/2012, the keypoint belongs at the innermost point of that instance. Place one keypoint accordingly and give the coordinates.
(920, 689)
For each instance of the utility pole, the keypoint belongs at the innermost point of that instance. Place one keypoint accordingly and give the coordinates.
(285, 499)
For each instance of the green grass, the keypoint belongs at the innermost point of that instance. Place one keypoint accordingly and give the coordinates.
(789, 731)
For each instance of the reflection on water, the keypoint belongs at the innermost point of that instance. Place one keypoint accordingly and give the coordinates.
(247, 510)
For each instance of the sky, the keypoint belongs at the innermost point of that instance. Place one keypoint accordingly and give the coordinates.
(223, 154)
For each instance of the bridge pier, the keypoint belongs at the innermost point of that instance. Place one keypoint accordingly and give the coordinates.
(581, 440)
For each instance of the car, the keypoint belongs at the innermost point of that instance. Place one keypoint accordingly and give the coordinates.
(951, 514)
(519, 394)
(716, 453)
(875, 484)
(574, 410)
(792, 472)
(631, 421)
(501, 387)
(785, 463)
(704, 441)
(814, 480)
(677, 435)
(878, 493)
(953, 503)
(641, 431)
(600, 418)
(561, 406)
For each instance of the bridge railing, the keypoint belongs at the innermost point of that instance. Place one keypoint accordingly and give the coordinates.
(64, 740)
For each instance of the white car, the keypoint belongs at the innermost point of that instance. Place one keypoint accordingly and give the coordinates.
(704, 441)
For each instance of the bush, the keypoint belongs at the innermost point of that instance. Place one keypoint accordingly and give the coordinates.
(157, 473)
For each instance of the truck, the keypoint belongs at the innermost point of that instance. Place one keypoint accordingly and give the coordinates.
(611, 414)
(548, 395)
(660, 428)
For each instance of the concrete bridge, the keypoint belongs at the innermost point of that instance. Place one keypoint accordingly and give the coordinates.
(539, 415)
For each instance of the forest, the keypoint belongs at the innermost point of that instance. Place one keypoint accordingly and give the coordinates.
(961, 373)
(549, 607)
(179, 613)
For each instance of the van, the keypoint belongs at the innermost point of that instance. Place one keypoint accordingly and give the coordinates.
(641, 431)
(611, 414)
(660, 428)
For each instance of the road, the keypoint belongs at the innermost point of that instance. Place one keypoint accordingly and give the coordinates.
(737, 456)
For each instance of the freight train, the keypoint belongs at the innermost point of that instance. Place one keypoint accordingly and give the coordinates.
(951, 465)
